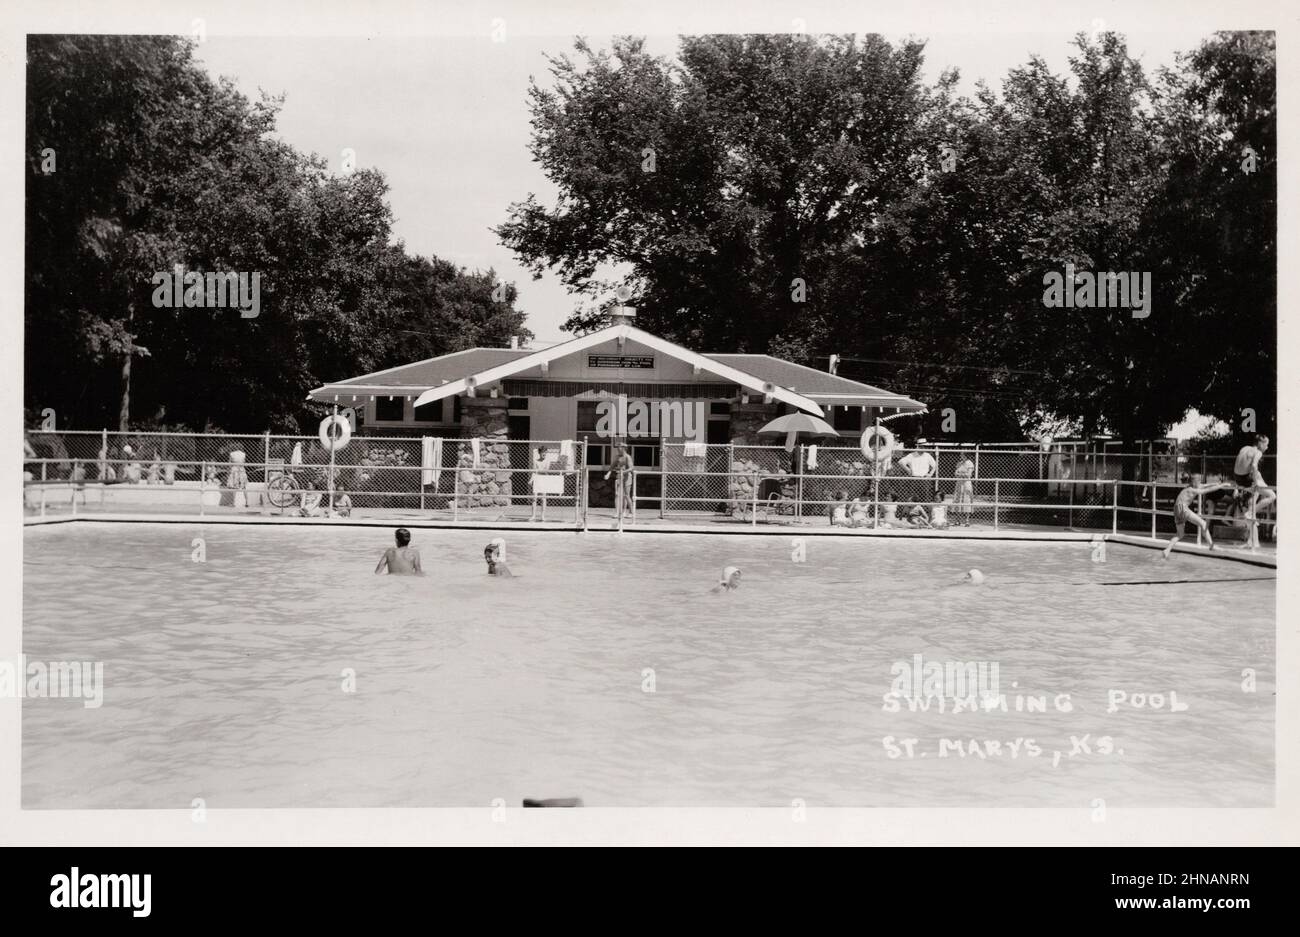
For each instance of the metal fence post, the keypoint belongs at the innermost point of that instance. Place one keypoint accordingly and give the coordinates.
(44, 476)
(1200, 512)
(997, 483)
(753, 494)
(977, 460)
(634, 497)
(1153, 509)
(455, 489)
(203, 486)
(1069, 522)
(1114, 506)
(585, 478)
(663, 477)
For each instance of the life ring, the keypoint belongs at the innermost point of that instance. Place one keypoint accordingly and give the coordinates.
(873, 452)
(327, 438)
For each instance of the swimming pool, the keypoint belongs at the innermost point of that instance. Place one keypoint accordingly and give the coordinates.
(224, 678)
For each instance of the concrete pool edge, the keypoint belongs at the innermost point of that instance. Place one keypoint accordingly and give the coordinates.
(1254, 559)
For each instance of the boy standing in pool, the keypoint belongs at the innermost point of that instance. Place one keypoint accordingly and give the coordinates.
(1183, 513)
(403, 559)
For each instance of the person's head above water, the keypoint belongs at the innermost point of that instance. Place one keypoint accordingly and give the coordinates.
(402, 536)
(730, 578)
(495, 552)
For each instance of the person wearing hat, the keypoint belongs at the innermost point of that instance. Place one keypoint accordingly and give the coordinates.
(494, 554)
(730, 580)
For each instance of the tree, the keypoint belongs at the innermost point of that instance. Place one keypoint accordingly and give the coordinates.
(157, 165)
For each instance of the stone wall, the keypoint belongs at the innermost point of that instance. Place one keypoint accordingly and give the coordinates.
(489, 484)
(748, 418)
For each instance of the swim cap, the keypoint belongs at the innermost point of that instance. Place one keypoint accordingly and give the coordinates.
(975, 577)
(727, 574)
(500, 544)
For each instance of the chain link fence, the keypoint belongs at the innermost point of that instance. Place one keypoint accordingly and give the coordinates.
(1067, 485)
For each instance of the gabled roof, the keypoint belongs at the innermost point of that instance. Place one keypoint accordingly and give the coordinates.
(624, 331)
(822, 386)
(420, 375)
(456, 373)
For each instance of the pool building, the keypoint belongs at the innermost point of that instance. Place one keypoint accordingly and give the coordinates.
(561, 392)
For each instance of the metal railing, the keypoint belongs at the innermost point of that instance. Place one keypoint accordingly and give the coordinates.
(496, 478)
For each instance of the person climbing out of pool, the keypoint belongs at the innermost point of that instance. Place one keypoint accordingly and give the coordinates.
(729, 582)
(403, 559)
(495, 556)
(1184, 514)
(621, 465)
(963, 494)
(1255, 491)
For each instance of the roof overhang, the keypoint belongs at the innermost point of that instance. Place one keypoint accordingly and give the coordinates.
(483, 379)
(884, 401)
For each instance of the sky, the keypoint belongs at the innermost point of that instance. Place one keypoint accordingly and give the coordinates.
(446, 119)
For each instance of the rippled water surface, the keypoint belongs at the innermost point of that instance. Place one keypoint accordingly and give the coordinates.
(224, 679)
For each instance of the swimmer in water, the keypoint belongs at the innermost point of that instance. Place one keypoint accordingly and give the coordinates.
(403, 559)
(729, 582)
(495, 556)
(974, 577)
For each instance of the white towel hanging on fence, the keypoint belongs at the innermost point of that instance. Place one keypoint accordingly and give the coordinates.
(566, 452)
(431, 459)
(693, 450)
(812, 457)
(474, 445)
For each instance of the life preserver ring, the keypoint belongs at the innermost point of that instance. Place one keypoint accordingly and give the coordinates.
(877, 453)
(327, 438)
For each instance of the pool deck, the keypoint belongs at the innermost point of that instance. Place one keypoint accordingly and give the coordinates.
(603, 521)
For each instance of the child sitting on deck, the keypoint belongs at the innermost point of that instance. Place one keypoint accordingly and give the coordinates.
(839, 511)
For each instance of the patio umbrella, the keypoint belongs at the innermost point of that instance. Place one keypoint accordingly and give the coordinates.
(792, 424)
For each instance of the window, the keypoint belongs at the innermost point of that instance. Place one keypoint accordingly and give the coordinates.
(390, 409)
(587, 417)
(517, 403)
(846, 418)
(455, 412)
(430, 411)
(720, 409)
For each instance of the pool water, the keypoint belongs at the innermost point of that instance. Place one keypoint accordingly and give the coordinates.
(224, 679)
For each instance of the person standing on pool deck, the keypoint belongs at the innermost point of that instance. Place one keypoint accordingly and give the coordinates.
(963, 494)
(621, 465)
(403, 559)
(1183, 513)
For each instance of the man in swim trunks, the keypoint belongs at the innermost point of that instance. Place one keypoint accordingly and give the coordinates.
(621, 465)
(403, 559)
(1184, 513)
(1246, 473)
